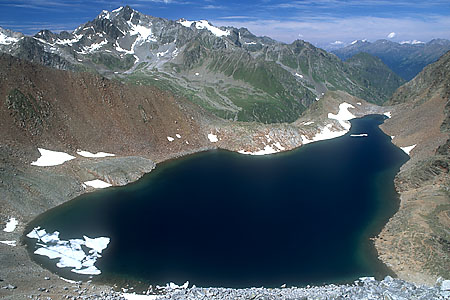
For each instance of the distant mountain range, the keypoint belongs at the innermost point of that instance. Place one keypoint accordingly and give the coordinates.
(405, 59)
(228, 71)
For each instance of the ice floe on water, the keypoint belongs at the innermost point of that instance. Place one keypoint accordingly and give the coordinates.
(9, 243)
(97, 183)
(70, 253)
(212, 138)
(51, 158)
(408, 149)
(92, 155)
(11, 225)
(359, 135)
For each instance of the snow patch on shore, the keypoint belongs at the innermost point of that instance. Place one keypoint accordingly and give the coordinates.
(408, 149)
(92, 155)
(9, 243)
(51, 158)
(343, 116)
(388, 114)
(212, 138)
(11, 225)
(97, 183)
(70, 253)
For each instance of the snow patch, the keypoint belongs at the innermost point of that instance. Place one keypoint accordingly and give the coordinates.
(178, 136)
(170, 139)
(97, 183)
(408, 149)
(299, 75)
(212, 138)
(358, 103)
(308, 123)
(9, 243)
(11, 225)
(413, 42)
(204, 24)
(250, 43)
(117, 9)
(70, 253)
(388, 114)
(51, 158)
(7, 40)
(267, 150)
(96, 155)
(161, 54)
(343, 115)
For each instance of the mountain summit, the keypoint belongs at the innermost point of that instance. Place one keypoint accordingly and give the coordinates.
(228, 71)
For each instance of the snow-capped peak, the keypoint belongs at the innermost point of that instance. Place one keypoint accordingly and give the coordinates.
(7, 40)
(117, 9)
(358, 41)
(204, 24)
(413, 42)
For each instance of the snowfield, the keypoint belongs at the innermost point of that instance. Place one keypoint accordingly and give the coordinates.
(97, 183)
(51, 158)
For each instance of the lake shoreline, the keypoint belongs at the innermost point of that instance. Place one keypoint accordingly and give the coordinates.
(21, 256)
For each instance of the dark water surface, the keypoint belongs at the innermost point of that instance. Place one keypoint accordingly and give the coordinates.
(224, 219)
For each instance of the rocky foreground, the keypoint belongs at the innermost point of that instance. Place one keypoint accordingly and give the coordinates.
(364, 288)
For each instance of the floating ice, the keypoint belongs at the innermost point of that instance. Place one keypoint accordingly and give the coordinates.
(359, 135)
(212, 138)
(70, 253)
(11, 225)
(96, 155)
(97, 183)
(51, 158)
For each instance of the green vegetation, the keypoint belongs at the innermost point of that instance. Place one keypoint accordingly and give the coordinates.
(113, 62)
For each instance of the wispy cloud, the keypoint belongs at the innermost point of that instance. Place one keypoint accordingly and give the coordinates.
(324, 30)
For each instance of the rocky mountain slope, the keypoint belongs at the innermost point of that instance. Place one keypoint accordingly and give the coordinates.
(416, 241)
(405, 59)
(228, 71)
(71, 111)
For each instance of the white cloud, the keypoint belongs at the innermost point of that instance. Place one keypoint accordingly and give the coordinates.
(391, 35)
(323, 30)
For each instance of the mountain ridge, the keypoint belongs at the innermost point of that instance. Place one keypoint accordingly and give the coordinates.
(226, 70)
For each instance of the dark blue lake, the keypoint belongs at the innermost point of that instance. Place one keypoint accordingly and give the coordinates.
(224, 219)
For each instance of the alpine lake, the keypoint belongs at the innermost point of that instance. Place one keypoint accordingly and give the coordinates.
(219, 218)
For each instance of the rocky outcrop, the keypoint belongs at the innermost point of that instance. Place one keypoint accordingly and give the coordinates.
(415, 242)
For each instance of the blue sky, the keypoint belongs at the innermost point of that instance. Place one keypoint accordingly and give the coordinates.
(318, 21)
